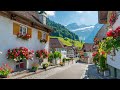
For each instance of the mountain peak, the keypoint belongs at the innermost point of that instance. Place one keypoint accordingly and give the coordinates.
(73, 26)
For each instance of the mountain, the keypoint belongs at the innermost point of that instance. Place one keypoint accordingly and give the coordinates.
(74, 26)
(90, 38)
(86, 33)
(61, 31)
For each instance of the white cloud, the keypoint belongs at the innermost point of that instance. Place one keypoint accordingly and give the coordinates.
(85, 11)
(79, 29)
(80, 11)
(50, 13)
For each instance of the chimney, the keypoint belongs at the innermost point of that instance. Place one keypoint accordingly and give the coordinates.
(42, 17)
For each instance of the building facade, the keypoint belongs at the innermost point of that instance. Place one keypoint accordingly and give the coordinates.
(24, 22)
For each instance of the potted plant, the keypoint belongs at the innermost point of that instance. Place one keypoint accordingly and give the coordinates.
(57, 55)
(5, 70)
(41, 54)
(45, 65)
(21, 53)
(35, 67)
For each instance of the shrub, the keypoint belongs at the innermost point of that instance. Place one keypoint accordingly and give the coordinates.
(45, 65)
(64, 59)
(50, 57)
(35, 66)
(5, 69)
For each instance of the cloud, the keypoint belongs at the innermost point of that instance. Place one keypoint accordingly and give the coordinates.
(80, 11)
(50, 13)
(85, 11)
(79, 29)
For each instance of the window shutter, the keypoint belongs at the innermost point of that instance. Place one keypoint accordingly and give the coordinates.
(39, 35)
(47, 36)
(16, 28)
(29, 31)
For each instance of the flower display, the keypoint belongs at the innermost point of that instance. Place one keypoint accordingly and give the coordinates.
(114, 33)
(5, 69)
(20, 54)
(94, 54)
(110, 33)
(24, 37)
(35, 66)
(41, 54)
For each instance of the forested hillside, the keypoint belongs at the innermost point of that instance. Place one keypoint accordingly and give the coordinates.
(61, 31)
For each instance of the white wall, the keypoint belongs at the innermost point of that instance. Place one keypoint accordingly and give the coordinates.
(9, 41)
(116, 62)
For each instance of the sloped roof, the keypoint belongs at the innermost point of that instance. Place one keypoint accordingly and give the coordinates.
(32, 16)
(56, 43)
(102, 17)
(101, 33)
(87, 47)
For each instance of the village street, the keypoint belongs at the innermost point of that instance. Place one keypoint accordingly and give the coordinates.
(71, 71)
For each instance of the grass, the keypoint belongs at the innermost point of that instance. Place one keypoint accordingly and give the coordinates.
(68, 41)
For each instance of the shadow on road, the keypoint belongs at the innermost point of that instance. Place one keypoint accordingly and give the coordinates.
(91, 72)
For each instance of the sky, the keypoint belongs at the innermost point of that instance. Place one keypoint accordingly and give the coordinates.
(79, 17)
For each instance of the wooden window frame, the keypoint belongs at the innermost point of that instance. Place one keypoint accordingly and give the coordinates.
(43, 33)
(26, 29)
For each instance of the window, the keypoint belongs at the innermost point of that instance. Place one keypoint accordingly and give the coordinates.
(44, 35)
(23, 30)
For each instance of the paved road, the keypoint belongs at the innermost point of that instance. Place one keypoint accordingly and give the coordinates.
(76, 71)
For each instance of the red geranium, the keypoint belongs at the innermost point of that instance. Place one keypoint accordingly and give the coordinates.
(20, 53)
(41, 53)
(94, 54)
(25, 37)
(110, 33)
(103, 53)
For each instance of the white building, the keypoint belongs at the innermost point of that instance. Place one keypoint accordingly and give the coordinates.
(57, 45)
(11, 23)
